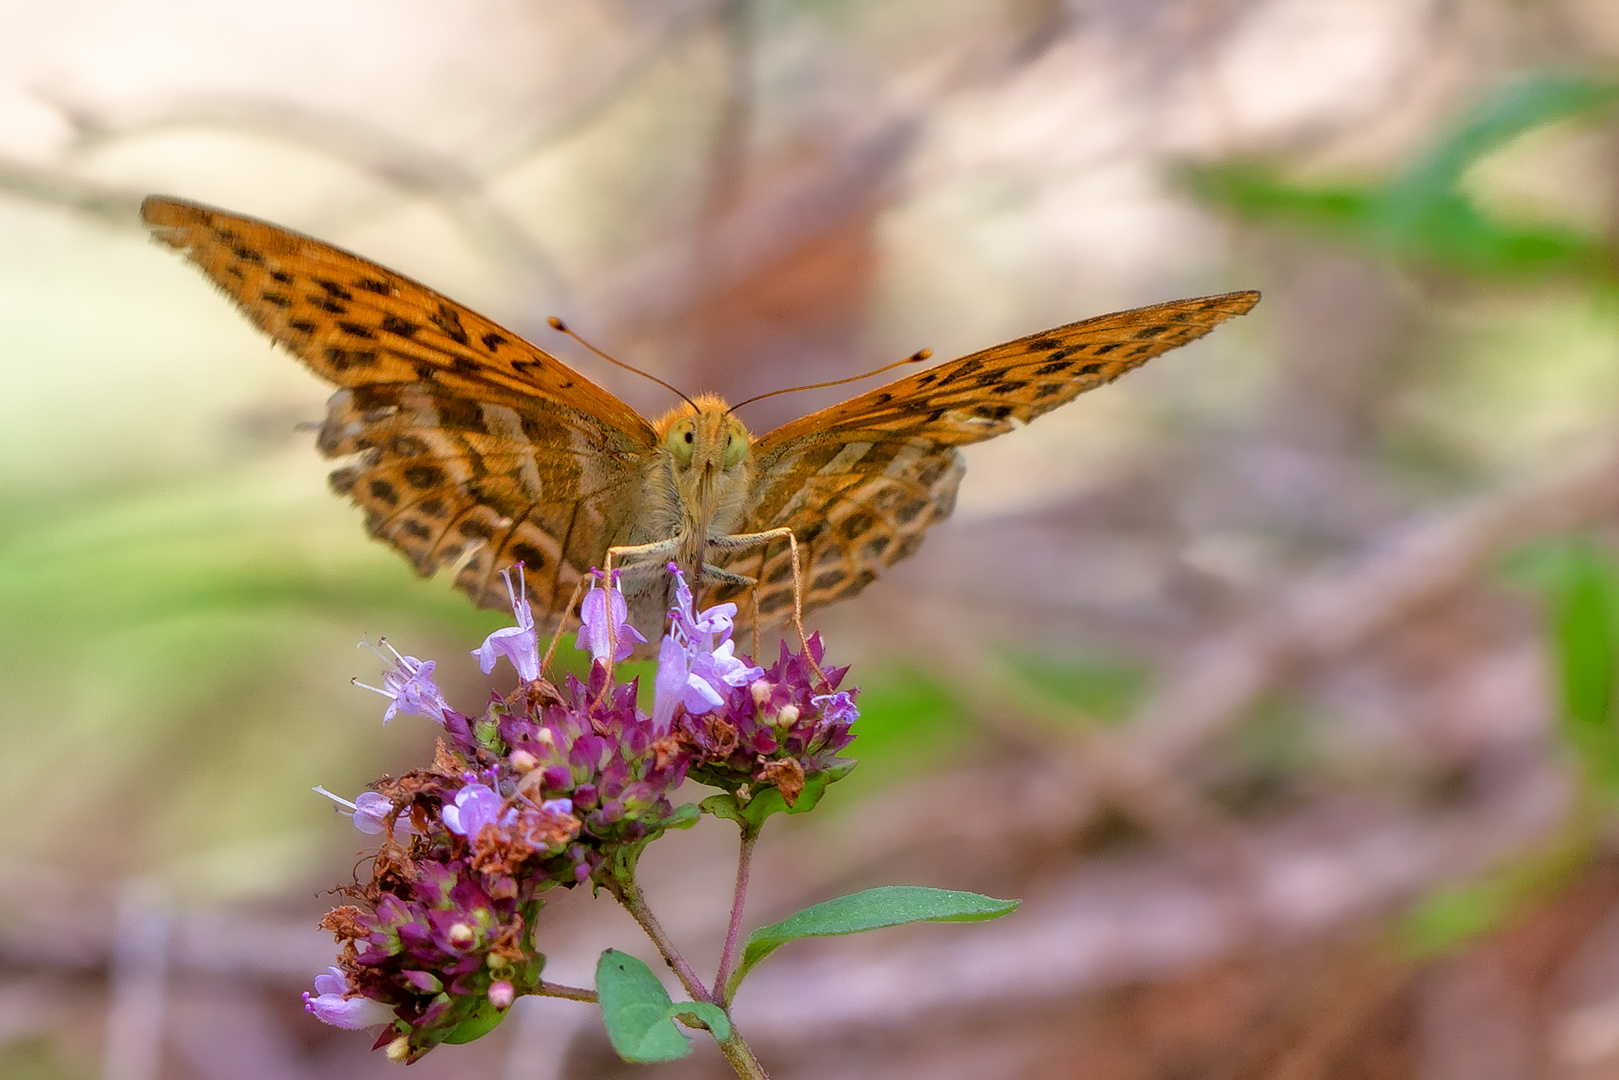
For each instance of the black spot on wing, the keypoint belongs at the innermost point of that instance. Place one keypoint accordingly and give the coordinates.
(393, 324)
(968, 367)
(424, 476)
(334, 290)
(449, 321)
(530, 556)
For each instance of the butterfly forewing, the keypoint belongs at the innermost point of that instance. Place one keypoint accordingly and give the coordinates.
(860, 482)
(470, 446)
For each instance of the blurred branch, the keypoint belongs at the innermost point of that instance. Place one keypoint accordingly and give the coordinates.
(1218, 683)
(110, 205)
(394, 162)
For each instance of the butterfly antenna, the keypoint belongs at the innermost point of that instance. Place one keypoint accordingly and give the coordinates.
(914, 358)
(562, 327)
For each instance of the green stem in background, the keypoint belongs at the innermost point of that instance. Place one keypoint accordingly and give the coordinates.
(733, 934)
(561, 990)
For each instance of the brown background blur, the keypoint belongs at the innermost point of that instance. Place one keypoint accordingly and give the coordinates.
(1219, 667)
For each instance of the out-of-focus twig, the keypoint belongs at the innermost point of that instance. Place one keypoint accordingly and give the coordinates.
(1221, 680)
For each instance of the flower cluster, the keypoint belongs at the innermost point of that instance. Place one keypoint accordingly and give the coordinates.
(552, 786)
(783, 729)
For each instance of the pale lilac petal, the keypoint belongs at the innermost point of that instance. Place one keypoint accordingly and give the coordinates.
(476, 805)
(333, 982)
(371, 812)
(595, 622)
(411, 684)
(696, 629)
(519, 644)
(330, 1006)
(724, 666)
(838, 708)
(669, 686)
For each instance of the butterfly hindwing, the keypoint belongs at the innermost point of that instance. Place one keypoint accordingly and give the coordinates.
(475, 484)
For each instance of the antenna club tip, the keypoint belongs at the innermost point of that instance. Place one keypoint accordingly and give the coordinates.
(921, 355)
(557, 324)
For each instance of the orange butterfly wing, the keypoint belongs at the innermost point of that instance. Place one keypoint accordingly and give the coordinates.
(860, 482)
(470, 445)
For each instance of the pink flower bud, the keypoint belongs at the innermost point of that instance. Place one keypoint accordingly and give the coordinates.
(501, 995)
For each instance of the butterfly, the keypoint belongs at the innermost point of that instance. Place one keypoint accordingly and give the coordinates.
(469, 447)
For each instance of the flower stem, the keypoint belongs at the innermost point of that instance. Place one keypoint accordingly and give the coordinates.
(740, 1055)
(728, 957)
(562, 990)
(735, 1049)
(628, 893)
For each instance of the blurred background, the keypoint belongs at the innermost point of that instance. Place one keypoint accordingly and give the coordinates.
(1277, 677)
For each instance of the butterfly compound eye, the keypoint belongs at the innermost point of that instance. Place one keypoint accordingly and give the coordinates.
(682, 441)
(736, 447)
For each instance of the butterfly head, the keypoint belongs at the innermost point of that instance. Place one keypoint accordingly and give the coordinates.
(707, 446)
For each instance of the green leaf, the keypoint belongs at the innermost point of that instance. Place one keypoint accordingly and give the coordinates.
(483, 1020)
(711, 1016)
(767, 802)
(637, 1010)
(723, 805)
(873, 909)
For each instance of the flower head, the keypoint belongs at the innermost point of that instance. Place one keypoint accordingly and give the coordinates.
(776, 730)
(553, 786)
(695, 671)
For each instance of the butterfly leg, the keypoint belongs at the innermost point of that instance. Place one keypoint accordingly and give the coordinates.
(633, 553)
(743, 541)
(562, 623)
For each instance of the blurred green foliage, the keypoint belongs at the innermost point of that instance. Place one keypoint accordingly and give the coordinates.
(1578, 579)
(1451, 916)
(1422, 216)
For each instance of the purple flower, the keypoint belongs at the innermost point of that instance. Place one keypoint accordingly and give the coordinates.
(519, 644)
(332, 1004)
(409, 686)
(693, 670)
(838, 708)
(475, 806)
(370, 811)
(595, 622)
